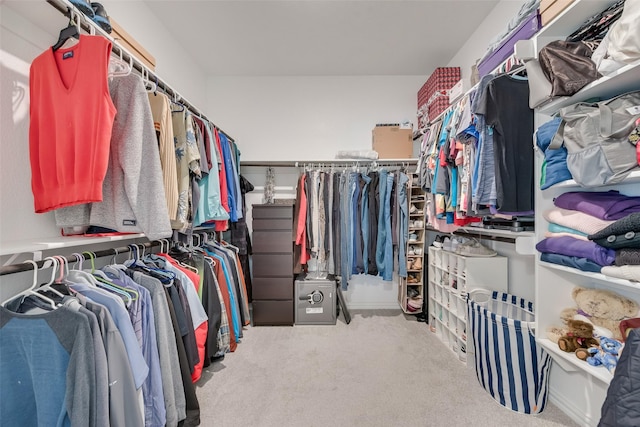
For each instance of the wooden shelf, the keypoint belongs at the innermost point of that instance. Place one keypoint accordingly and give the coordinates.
(569, 362)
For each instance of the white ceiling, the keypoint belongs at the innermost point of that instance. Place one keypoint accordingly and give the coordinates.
(321, 37)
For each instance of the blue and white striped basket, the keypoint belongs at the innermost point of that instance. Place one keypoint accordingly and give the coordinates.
(509, 364)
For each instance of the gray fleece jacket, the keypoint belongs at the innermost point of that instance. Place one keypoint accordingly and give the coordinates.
(133, 197)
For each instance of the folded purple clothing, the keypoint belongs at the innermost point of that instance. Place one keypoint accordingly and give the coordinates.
(608, 205)
(577, 248)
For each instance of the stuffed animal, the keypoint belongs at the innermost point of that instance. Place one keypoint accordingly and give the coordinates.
(579, 335)
(607, 354)
(603, 308)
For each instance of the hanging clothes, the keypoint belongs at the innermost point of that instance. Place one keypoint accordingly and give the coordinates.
(70, 105)
(132, 189)
(163, 124)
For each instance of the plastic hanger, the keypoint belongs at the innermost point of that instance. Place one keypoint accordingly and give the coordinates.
(57, 260)
(99, 281)
(70, 32)
(118, 67)
(31, 291)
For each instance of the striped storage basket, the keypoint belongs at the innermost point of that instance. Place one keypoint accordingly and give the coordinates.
(509, 364)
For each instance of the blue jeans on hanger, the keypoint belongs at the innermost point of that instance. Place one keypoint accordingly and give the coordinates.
(387, 274)
(364, 221)
(382, 230)
(345, 266)
(354, 191)
(403, 224)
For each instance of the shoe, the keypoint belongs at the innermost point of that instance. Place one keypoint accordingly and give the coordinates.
(84, 6)
(417, 250)
(417, 264)
(413, 209)
(437, 243)
(413, 237)
(475, 249)
(414, 304)
(446, 243)
(409, 265)
(418, 223)
(411, 251)
(101, 18)
(412, 293)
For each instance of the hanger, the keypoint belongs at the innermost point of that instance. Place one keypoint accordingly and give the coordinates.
(104, 281)
(175, 101)
(31, 290)
(71, 31)
(57, 262)
(118, 67)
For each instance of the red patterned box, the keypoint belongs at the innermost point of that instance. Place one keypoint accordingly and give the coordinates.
(442, 79)
(440, 104)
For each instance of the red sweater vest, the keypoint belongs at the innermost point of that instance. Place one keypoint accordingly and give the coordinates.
(71, 116)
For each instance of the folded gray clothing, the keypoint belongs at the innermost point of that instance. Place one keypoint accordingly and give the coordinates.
(627, 256)
(624, 233)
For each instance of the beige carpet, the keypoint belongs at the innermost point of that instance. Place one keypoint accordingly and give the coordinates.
(383, 369)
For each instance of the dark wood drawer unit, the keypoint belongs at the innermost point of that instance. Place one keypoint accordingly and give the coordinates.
(272, 313)
(272, 258)
(272, 288)
(271, 241)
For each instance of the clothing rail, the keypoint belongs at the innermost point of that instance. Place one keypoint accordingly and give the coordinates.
(64, 7)
(26, 266)
(340, 162)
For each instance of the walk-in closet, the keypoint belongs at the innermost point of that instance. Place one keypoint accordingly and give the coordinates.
(319, 212)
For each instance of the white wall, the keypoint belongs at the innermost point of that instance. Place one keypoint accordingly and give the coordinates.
(477, 44)
(307, 118)
(173, 64)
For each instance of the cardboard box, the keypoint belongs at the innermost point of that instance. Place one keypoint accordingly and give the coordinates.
(549, 9)
(129, 43)
(393, 142)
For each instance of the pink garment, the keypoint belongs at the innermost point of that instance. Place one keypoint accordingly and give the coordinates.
(301, 233)
(575, 219)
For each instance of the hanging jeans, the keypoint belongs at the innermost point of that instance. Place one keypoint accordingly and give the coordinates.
(354, 226)
(387, 272)
(374, 208)
(381, 223)
(345, 231)
(365, 223)
(403, 224)
(331, 267)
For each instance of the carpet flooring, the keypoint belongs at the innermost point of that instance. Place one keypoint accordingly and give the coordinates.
(383, 369)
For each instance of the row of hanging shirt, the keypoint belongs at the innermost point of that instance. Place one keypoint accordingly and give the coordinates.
(348, 222)
(142, 161)
(478, 159)
(121, 346)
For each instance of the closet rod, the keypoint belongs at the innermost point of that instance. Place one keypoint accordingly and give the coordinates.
(341, 162)
(25, 266)
(64, 7)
